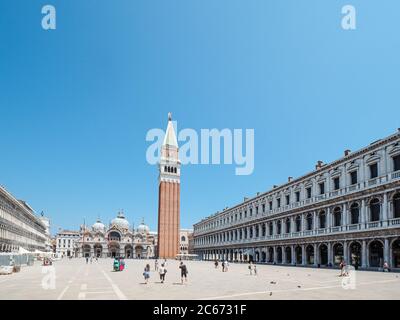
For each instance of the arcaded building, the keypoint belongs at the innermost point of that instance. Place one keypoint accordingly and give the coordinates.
(20, 227)
(345, 210)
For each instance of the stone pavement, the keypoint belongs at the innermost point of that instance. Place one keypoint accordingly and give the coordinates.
(76, 280)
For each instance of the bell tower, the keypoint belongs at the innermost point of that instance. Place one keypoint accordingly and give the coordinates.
(169, 195)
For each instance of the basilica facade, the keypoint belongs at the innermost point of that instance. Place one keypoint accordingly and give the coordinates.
(345, 210)
(116, 240)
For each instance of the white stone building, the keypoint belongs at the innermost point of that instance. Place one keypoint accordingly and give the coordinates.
(19, 225)
(184, 240)
(348, 209)
(65, 243)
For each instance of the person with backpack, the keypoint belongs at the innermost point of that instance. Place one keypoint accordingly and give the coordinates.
(184, 272)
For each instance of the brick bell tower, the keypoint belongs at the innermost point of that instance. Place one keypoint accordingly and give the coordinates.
(169, 195)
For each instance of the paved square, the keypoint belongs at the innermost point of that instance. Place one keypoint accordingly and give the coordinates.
(77, 280)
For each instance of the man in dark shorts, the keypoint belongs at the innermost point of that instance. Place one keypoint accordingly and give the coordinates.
(184, 271)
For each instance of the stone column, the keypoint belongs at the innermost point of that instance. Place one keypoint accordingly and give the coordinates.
(363, 214)
(385, 209)
(316, 255)
(328, 218)
(345, 252)
(364, 257)
(330, 255)
(293, 255)
(344, 216)
(275, 254)
(283, 255)
(303, 254)
(315, 222)
(292, 224)
(386, 253)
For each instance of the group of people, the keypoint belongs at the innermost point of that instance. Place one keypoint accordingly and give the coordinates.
(119, 264)
(162, 271)
(224, 265)
(91, 259)
(344, 269)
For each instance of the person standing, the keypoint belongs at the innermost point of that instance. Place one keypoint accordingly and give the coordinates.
(146, 273)
(386, 267)
(156, 265)
(162, 271)
(216, 263)
(223, 266)
(342, 266)
(87, 259)
(184, 272)
(251, 268)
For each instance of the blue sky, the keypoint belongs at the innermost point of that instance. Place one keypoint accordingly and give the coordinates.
(76, 102)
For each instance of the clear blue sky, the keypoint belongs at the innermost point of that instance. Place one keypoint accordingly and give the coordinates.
(76, 103)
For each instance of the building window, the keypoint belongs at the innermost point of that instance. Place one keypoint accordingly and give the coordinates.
(322, 220)
(309, 193)
(336, 183)
(373, 170)
(271, 229)
(309, 221)
(287, 200)
(297, 196)
(287, 225)
(263, 230)
(278, 202)
(245, 213)
(279, 226)
(353, 177)
(251, 212)
(322, 188)
(396, 205)
(257, 210)
(270, 205)
(263, 207)
(396, 162)
(298, 223)
(375, 209)
(355, 213)
(337, 217)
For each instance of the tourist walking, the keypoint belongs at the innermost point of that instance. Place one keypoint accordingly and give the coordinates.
(226, 264)
(342, 266)
(146, 273)
(162, 271)
(87, 259)
(223, 266)
(216, 264)
(251, 267)
(184, 271)
(116, 264)
(156, 265)
(255, 270)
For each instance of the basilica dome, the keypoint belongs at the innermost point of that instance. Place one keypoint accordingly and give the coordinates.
(143, 228)
(120, 221)
(98, 226)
